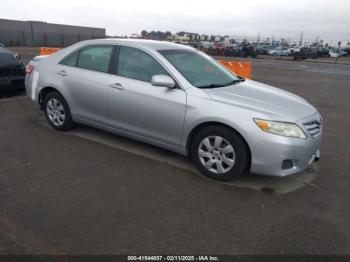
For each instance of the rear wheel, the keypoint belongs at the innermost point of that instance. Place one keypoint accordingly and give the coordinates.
(219, 153)
(57, 112)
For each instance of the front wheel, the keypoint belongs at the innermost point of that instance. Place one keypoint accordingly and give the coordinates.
(57, 112)
(219, 153)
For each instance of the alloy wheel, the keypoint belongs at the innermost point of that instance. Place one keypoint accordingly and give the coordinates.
(55, 112)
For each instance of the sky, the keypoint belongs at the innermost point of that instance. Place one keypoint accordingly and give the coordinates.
(328, 20)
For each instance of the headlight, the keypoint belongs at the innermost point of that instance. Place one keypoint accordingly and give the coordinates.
(280, 128)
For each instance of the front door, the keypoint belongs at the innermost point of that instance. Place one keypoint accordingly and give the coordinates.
(136, 106)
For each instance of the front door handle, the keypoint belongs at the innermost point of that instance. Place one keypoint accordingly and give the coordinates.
(117, 86)
(62, 73)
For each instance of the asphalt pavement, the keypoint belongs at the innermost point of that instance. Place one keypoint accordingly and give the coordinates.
(90, 192)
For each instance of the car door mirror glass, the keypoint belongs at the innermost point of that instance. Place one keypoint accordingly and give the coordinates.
(163, 80)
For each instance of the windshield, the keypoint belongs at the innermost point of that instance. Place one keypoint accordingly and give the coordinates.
(199, 69)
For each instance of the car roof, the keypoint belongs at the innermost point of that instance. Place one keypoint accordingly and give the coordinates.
(143, 43)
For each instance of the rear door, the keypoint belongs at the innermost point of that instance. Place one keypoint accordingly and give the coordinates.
(136, 106)
(85, 79)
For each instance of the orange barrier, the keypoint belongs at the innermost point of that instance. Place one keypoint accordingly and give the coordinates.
(48, 50)
(243, 69)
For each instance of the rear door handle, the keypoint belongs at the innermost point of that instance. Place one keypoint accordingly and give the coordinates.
(62, 73)
(117, 86)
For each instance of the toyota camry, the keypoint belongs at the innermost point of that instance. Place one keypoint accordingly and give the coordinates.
(177, 98)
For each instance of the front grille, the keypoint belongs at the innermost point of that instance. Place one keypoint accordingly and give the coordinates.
(313, 127)
(12, 71)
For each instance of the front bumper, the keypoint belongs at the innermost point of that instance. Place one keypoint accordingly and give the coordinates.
(12, 78)
(12, 86)
(270, 152)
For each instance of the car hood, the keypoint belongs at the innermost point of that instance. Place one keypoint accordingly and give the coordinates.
(264, 99)
(8, 59)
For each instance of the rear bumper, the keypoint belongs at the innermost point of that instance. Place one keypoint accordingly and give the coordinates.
(31, 86)
(12, 78)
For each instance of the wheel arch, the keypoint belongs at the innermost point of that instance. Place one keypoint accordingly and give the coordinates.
(203, 125)
(44, 91)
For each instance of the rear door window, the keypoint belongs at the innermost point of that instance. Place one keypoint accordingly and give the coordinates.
(95, 58)
(71, 60)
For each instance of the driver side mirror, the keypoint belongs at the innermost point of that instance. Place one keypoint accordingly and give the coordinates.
(163, 80)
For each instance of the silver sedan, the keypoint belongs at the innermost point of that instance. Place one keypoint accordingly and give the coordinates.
(180, 99)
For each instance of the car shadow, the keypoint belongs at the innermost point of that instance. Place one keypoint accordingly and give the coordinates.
(265, 184)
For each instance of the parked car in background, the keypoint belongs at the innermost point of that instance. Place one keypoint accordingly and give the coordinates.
(11, 71)
(178, 98)
(304, 53)
(240, 51)
(248, 50)
(262, 49)
(334, 54)
(342, 52)
(322, 52)
(279, 51)
(293, 49)
(338, 52)
(233, 50)
(4, 49)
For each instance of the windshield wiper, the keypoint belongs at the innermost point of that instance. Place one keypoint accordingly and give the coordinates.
(235, 81)
(211, 86)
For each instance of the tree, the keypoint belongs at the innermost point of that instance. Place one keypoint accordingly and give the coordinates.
(144, 34)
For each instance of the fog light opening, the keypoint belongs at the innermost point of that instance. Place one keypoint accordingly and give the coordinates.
(287, 164)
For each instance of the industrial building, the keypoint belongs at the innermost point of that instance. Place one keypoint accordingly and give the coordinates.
(35, 33)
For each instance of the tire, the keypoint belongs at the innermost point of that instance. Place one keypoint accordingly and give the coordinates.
(57, 112)
(221, 166)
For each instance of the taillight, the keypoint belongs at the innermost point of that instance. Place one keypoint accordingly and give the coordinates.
(29, 69)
